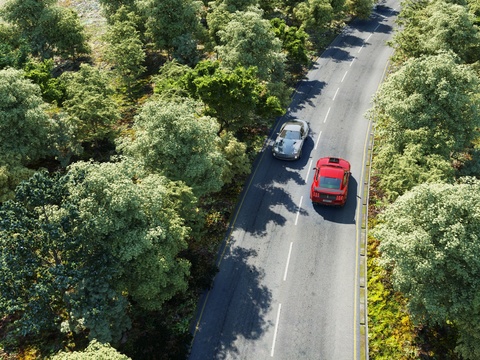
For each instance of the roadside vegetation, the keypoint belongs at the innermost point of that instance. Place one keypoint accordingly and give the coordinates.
(423, 262)
(123, 150)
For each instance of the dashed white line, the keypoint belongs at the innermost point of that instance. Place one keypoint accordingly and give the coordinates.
(351, 63)
(288, 262)
(346, 72)
(326, 116)
(308, 169)
(299, 207)
(377, 27)
(318, 139)
(360, 48)
(368, 37)
(276, 330)
(334, 96)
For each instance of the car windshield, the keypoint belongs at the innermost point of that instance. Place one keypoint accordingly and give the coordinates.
(330, 183)
(291, 135)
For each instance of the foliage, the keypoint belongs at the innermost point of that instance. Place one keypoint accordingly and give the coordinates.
(314, 14)
(78, 250)
(110, 7)
(94, 351)
(14, 49)
(429, 241)
(173, 24)
(434, 27)
(238, 162)
(89, 102)
(170, 139)
(360, 8)
(24, 125)
(390, 331)
(125, 50)
(430, 102)
(53, 90)
(248, 41)
(294, 42)
(49, 29)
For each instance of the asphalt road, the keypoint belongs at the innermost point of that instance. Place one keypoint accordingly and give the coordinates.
(288, 281)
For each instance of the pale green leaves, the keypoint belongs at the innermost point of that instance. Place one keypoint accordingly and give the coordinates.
(430, 240)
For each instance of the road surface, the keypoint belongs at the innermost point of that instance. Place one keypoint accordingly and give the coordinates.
(289, 271)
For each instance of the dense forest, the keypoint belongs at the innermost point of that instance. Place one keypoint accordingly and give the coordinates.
(125, 145)
(424, 238)
(125, 141)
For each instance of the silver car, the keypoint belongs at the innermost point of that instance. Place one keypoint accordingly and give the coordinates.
(290, 139)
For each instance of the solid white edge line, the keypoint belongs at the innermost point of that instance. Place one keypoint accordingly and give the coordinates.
(299, 207)
(276, 330)
(288, 262)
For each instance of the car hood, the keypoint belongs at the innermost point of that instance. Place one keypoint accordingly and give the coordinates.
(287, 146)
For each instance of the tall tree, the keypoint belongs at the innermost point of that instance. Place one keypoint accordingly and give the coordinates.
(434, 27)
(94, 351)
(89, 102)
(170, 139)
(248, 40)
(125, 49)
(430, 242)
(24, 125)
(430, 101)
(78, 251)
(173, 25)
(50, 29)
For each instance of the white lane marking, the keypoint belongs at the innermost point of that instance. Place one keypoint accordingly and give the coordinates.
(326, 116)
(360, 48)
(318, 139)
(308, 169)
(299, 207)
(334, 96)
(377, 27)
(369, 36)
(276, 329)
(346, 72)
(288, 262)
(351, 63)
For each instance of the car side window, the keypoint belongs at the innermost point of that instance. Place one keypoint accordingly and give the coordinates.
(345, 178)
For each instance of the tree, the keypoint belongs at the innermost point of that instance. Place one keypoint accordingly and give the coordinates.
(173, 26)
(24, 125)
(294, 42)
(431, 28)
(314, 15)
(238, 163)
(429, 241)
(170, 139)
(431, 100)
(77, 251)
(50, 29)
(89, 102)
(94, 351)
(125, 49)
(248, 40)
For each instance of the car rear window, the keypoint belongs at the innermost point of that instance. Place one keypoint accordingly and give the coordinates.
(330, 183)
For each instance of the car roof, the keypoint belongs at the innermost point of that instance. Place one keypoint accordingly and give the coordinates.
(332, 164)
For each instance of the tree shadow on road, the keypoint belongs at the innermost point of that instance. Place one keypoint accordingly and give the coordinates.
(238, 286)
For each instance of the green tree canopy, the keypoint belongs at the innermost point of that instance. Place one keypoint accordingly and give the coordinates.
(431, 100)
(433, 27)
(49, 28)
(89, 102)
(173, 25)
(248, 40)
(125, 49)
(430, 241)
(94, 351)
(78, 251)
(24, 125)
(170, 139)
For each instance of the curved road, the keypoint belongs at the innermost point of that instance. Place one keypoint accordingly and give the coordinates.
(289, 271)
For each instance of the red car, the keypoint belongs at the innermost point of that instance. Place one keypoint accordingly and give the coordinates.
(330, 182)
